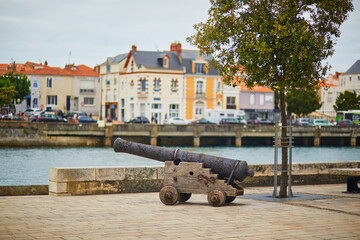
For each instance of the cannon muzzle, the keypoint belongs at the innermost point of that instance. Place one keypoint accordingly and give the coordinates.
(226, 168)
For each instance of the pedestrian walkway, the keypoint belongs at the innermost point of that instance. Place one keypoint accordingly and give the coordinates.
(143, 216)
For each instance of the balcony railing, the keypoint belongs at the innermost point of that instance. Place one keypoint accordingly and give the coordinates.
(87, 91)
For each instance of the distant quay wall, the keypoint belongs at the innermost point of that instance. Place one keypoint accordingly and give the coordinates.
(110, 180)
(33, 134)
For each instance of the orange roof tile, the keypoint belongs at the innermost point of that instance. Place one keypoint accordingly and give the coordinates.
(256, 88)
(3, 66)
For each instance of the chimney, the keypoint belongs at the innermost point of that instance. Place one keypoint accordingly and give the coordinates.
(175, 47)
(134, 48)
(46, 63)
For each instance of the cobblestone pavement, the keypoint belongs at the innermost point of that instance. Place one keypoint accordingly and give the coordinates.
(143, 216)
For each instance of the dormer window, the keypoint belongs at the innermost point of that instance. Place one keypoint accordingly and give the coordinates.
(166, 61)
(199, 68)
(132, 66)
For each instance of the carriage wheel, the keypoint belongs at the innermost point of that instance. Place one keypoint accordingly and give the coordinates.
(216, 198)
(229, 199)
(184, 197)
(169, 195)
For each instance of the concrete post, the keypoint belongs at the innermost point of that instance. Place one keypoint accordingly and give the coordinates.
(196, 137)
(317, 137)
(154, 135)
(108, 136)
(238, 138)
(353, 138)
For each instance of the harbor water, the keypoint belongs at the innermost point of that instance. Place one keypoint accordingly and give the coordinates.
(25, 166)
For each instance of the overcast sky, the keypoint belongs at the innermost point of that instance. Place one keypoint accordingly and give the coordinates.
(89, 31)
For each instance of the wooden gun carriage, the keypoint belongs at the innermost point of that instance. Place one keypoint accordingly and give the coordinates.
(189, 172)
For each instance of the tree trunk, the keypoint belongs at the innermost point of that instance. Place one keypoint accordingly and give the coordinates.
(284, 150)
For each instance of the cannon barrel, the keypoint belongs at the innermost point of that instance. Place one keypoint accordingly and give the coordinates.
(224, 167)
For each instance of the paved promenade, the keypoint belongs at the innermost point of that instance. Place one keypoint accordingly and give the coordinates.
(143, 216)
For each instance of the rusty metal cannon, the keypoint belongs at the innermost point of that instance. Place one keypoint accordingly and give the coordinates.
(190, 172)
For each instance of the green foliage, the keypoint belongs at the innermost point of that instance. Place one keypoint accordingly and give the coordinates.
(302, 102)
(280, 44)
(347, 101)
(19, 82)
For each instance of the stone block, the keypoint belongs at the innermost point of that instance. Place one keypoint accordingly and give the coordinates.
(140, 173)
(55, 187)
(109, 174)
(71, 174)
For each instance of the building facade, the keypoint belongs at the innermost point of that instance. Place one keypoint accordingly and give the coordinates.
(339, 83)
(72, 88)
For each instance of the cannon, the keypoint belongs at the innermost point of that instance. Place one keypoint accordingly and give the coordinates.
(189, 172)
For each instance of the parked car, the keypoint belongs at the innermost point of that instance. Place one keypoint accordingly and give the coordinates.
(86, 119)
(33, 118)
(202, 121)
(231, 121)
(175, 120)
(72, 114)
(346, 122)
(139, 120)
(31, 111)
(263, 121)
(303, 122)
(321, 122)
(50, 118)
(14, 118)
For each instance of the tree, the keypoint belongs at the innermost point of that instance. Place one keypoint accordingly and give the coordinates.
(278, 43)
(21, 85)
(346, 101)
(302, 102)
(7, 91)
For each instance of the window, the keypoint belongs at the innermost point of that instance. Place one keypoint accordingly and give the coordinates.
(132, 110)
(132, 66)
(122, 85)
(358, 77)
(142, 109)
(49, 82)
(218, 87)
(230, 103)
(156, 106)
(108, 96)
(157, 85)
(199, 88)
(166, 62)
(199, 68)
(115, 81)
(143, 85)
(51, 100)
(199, 109)
(88, 101)
(174, 85)
(115, 95)
(261, 99)
(108, 68)
(35, 84)
(173, 110)
(122, 102)
(252, 99)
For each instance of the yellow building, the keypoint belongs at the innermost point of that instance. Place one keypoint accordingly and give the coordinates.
(204, 86)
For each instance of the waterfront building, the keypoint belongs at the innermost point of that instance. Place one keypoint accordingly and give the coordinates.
(143, 83)
(203, 85)
(72, 88)
(339, 83)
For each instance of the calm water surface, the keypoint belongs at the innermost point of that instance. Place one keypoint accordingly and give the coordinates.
(23, 166)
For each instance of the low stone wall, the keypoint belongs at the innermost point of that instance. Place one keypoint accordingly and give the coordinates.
(24, 190)
(104, 180)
